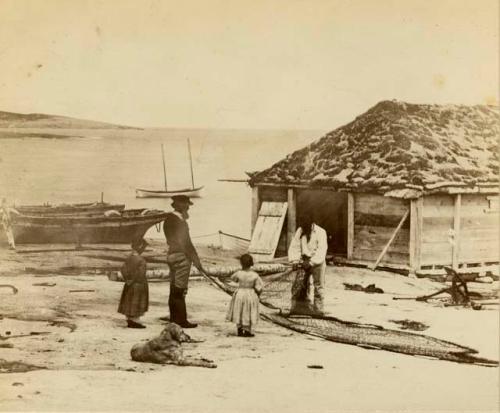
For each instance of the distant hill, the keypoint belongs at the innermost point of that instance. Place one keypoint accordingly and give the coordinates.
(40, 120)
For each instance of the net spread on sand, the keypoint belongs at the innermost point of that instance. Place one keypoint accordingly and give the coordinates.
(277, 294)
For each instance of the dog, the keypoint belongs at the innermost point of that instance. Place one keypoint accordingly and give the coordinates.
(166, 349)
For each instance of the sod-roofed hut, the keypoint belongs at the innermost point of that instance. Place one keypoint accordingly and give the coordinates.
(407, 186)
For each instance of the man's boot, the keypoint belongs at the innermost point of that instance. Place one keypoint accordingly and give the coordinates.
(183, 313)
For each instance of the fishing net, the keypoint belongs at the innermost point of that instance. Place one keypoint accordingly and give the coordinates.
(277, 297)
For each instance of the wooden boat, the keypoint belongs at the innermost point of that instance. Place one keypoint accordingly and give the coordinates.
(115, 228)
(148, 193)
(193, 192)
(96, 208)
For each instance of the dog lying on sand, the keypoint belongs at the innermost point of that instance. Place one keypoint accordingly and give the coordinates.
(166, 349)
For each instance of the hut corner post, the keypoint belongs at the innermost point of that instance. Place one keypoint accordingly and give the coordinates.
(350, 225)
(291, 216)
(416, 220)
(456, 231)
(255, 207)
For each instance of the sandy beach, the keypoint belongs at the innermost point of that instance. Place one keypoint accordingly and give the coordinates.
(63, 324)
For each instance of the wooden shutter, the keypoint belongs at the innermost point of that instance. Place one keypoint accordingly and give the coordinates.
(267, 230)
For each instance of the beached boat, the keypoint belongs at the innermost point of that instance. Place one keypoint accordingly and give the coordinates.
(95, 208)
(113, 228)
(193, 192)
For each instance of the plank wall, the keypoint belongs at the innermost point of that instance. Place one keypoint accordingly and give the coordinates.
(478, 233)
(437, 222)
(375, 219)
(479, 226)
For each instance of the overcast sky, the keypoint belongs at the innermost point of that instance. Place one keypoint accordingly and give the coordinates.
(313, 64)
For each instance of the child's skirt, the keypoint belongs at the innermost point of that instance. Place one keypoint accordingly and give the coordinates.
(244, 307)
(134, 301)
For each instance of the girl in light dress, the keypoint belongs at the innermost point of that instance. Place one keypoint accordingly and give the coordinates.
(244, 307)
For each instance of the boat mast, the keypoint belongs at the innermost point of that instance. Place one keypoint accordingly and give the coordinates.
(164, 170)
(191, 163)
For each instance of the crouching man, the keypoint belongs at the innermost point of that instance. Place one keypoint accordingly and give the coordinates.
(307, 252)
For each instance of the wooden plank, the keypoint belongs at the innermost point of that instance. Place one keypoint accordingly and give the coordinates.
(271, 209)
(479, 233)
(485, 221)
(480, 255)
(368, 203)
(378, 220)
(477, 199)
(381, 234)
(433, 211)
(370, 244)
(433, 235)
(372, 255)
(255, 206)
(456, 231)
(273, 194)
(291, 216)
(436, 254)
(435, 222)
(469, 246)
(439, 201)
(384, 251)
(266, 235)
(350, 224)
(366, 263)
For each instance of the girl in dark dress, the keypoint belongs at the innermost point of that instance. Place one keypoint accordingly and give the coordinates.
(134, 301)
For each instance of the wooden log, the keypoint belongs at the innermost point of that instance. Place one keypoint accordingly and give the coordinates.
(216, 271)
(391, 239)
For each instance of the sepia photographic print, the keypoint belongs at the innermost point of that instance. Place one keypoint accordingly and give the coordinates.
(249, 206)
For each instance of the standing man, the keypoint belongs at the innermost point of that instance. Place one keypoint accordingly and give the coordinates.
(308, 249)
(181, 255)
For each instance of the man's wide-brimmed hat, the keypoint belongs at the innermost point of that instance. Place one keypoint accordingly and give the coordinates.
(181, 199)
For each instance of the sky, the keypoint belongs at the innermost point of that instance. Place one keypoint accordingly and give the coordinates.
(291, 64)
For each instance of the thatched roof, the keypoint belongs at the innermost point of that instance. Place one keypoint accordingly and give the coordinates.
(399, 149)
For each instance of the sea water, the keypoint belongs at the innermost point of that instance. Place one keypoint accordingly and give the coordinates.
(115, 162)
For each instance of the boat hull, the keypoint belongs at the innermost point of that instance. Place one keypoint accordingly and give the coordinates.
(69, 209)
(80, 230)
(147, 193)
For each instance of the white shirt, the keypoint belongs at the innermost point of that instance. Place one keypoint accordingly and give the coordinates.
(315, 248)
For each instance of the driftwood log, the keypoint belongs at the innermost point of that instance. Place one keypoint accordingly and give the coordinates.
(215, 271)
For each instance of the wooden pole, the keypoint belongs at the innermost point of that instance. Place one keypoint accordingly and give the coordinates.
(416, 220)
(456, 232)
(350, 225)
(393, 236)
(102, 197)
(191, 163)
(291, 216)
(164, 170)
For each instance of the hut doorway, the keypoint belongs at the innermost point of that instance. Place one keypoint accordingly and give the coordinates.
(329, 210)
